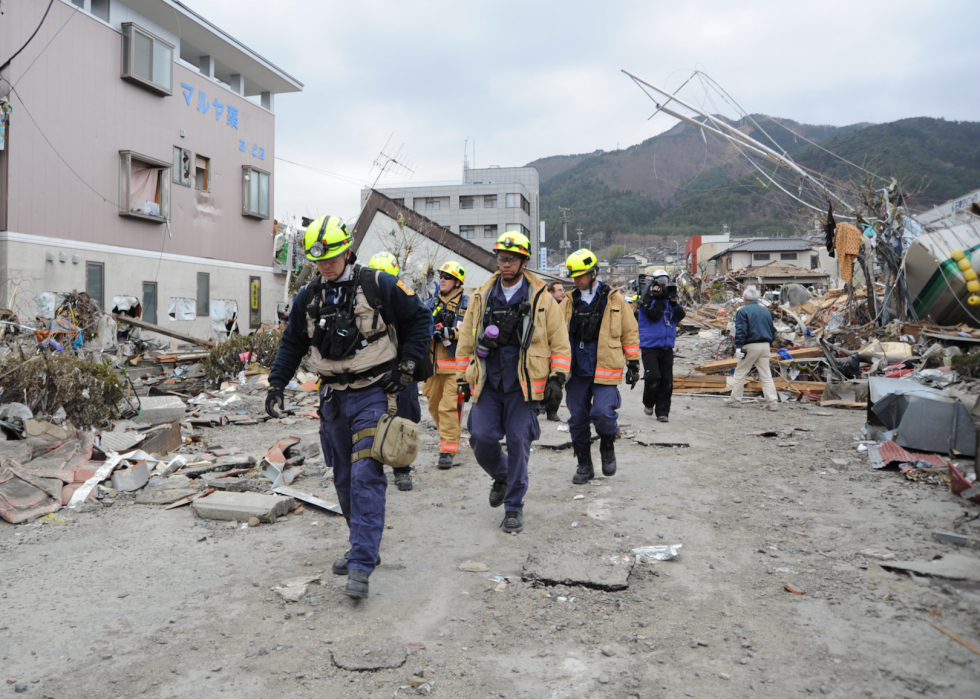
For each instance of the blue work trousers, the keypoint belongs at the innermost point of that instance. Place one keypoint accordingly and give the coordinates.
(593, 403)
(360, 485)
(498, 415)
(408, 408)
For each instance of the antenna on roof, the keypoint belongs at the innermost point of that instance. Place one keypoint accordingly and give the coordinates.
(392, 162)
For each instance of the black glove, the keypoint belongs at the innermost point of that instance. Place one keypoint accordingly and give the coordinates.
(552, 389)
(274, 395)
(633, 373)
(440, 334)
(398, 378)
(464, 388)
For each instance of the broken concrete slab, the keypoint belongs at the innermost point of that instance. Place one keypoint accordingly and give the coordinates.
(156, 409)
(241, 506)
(957, 539)
(358, 659)
(295, 590)
(164, 494)
(473, 567)
(556, 442)
(954, 566)
(232, 485)
(591, 570)
(129, 479)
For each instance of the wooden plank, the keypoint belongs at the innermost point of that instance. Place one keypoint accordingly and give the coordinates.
(729, 364)
(163, 331)
(718, 384)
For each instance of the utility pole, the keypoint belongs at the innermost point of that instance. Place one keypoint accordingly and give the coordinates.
(578, 232)
(564, 229)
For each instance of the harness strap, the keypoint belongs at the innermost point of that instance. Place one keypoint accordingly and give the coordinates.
(348, 377)
(363, 434)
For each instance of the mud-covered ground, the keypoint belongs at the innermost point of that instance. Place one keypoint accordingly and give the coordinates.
(137, 601)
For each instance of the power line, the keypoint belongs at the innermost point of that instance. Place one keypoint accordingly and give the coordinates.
(342, 178)
(30, 38)
(41, 53)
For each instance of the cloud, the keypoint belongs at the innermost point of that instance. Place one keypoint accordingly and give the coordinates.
(528, 80)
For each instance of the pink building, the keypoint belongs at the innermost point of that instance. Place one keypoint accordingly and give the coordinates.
(138, 160)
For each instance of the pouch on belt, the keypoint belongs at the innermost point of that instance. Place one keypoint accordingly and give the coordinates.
(396, 439)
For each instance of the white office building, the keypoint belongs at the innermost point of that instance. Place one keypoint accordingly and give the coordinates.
(488, 202)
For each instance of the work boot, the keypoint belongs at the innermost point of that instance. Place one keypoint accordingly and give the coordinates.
(403, 480)
(607, 452)
(647, 411)
(585, 472)
(513, 521)
(445, 461)
(662, 418)
(774, 407)
(734, 403)
(357, 584)
(340, 565)
(553, 416)
(497, 493)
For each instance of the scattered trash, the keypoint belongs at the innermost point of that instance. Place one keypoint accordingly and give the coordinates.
(795, 591)
(648, 554)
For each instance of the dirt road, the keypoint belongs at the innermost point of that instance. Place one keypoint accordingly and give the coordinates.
(137, 601)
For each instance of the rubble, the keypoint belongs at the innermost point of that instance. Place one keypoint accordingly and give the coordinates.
(240, 507)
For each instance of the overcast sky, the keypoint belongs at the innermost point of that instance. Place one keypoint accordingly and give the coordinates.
(533, 79)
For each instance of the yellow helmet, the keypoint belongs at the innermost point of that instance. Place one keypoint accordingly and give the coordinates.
(580, 262)
(326, 237)
(513, 241)
(384, 261)
(453, 269)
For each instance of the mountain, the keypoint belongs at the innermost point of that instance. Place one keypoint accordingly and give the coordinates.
(680, 184)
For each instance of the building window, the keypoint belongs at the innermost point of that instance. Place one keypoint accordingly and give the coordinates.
(400, 202)
(466, 202)
(519, 227)
(490, 201)
(787, 256)
(254, 302)
(255, 192)
(144, 186)
(489, 231)
(760, 256)
(432, 204)
(147, 59)
(150, 302)
(468, 232)
(182, 166)
(518, 201)
(202, 173)
(95, 282)
(814, 261)
(100, 9)
(203, 294)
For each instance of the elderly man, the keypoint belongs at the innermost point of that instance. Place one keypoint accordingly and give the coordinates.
(754, 333)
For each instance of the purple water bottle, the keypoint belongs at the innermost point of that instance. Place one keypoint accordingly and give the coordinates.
(489, 334)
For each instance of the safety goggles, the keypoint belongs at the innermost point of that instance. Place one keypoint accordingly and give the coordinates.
(508, 259)
(448, 277)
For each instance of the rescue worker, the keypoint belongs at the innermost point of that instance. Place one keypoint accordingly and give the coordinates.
(660, 312)
(448, 309)
(557, 291)
(514, 347)
(367, 334)
(407, 400)
(604, 341)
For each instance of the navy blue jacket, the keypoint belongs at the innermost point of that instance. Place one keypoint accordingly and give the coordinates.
(399, 307)
(658, 323)
(753, 323)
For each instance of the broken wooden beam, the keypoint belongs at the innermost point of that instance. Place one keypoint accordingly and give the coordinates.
(719, 384)
(136, 322)
(729, 364)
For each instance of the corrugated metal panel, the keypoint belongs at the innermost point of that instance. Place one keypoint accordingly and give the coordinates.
(886, 453)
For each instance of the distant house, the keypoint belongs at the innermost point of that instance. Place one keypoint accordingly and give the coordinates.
(759, 252)
(776, 274)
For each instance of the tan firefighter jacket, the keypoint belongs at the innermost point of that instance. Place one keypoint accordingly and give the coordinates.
(548, 352)
(619, 337)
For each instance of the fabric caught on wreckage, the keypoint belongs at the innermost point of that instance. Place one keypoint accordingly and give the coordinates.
(848, 245)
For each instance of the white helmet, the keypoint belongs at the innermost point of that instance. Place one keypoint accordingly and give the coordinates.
(660, 273)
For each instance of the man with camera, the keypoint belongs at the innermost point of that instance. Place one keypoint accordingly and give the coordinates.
(660, 312)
